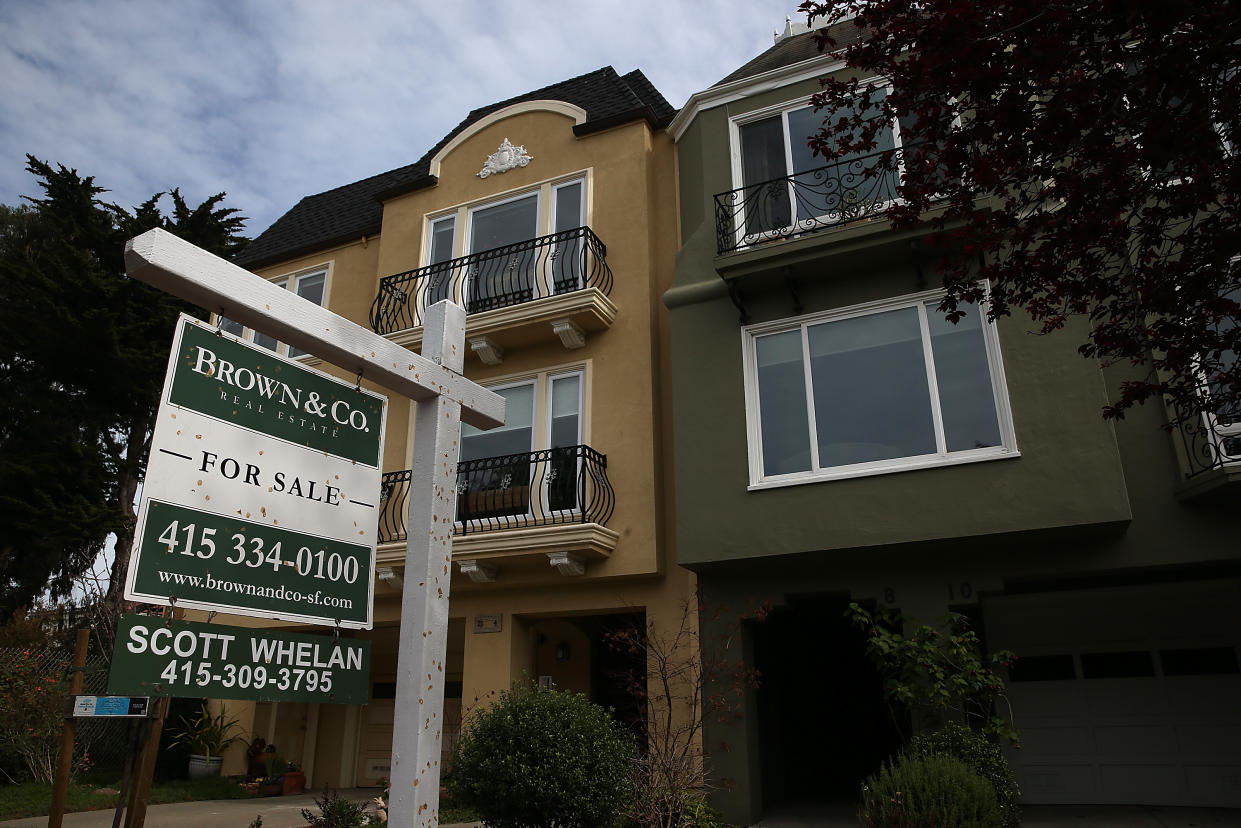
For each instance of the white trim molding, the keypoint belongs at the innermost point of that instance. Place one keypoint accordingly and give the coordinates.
(725, 93)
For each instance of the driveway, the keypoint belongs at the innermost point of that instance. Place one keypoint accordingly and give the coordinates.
(1034, 816)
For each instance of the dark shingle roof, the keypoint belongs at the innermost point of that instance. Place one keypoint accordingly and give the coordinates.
(793, 50)
(354, 210)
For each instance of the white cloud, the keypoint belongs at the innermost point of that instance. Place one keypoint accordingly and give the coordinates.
(271, 101)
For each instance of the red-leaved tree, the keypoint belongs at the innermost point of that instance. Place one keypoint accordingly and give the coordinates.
(1081, 155)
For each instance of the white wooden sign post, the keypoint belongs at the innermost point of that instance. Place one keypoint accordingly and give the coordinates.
(445, 398)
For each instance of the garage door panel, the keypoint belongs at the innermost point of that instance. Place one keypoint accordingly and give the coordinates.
(1204, 742)
(1151, 783)
(1124, 698)
(1152, 714)
(1136, 741)
(1206, 695)
(1046, 698)
(1038, 742)
(1055, 783)
(1215, 783)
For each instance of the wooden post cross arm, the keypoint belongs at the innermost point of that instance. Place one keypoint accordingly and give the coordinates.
(175, 266)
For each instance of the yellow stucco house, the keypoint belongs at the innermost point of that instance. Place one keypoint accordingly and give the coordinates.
(551, 218)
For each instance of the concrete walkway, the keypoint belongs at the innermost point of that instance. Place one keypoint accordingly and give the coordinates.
(276, 811)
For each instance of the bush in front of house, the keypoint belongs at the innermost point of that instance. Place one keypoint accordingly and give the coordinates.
(543, 759)
(981, 755)
(928, 792)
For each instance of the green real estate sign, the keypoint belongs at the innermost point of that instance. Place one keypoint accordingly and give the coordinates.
(155, 657)
(262, 491)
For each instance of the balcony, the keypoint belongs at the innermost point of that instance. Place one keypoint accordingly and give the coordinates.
(807, 202)
(1210, 449)
(534, 507)
(551, 285)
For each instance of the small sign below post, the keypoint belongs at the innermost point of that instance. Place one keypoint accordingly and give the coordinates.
(117, 707)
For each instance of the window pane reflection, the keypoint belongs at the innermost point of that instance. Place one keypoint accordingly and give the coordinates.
(871, 398)
(782, 403)
(964, 378)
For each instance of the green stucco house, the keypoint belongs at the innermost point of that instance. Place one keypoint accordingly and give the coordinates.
(837, 440)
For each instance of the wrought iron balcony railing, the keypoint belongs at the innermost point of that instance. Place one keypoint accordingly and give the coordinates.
(1210, 442)
(806, 202)
(498, 278)
(535, 488)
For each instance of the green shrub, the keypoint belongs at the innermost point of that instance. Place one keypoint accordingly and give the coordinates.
(981, 755)
(543, 759)
(930, 792)
(335, 811)
(698, 814)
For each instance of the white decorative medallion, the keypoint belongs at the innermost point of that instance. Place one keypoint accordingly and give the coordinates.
(504, 159)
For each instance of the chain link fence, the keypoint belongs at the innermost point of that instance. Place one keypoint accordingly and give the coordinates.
(35, 685)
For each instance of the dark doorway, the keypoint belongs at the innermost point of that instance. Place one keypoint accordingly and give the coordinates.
(822, 722)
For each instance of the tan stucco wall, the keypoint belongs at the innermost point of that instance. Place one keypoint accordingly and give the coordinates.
(630, 205)
(629, 174)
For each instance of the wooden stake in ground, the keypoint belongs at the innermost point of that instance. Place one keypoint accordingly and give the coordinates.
(64, 765)
(141, 790)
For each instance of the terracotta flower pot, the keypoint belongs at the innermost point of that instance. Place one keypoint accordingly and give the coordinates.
(294, 782)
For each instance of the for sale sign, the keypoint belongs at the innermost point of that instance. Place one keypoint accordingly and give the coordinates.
(262, 490)
(155, 657)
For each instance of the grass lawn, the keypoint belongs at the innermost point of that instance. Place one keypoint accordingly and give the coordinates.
(34, 799)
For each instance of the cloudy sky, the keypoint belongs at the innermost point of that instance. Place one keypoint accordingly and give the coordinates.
(270, 100)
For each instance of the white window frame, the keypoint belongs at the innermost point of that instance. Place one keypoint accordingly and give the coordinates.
(1218, 432)
(463, 226)
(546, 204)
(735, 124)
(540, 207)
(581, 212)
(289, 281)
(942, 457)
(541, 427)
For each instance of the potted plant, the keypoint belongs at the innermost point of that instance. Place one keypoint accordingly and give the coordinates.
(207, 737)
(271, 783)
(294, 780)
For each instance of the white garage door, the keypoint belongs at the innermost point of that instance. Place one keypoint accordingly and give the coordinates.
(1125, 695)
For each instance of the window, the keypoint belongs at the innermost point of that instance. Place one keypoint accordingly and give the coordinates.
(875, 388)
(1057, 667)
(788, 187)
(1130, 664)
(310, 285)
(506, 267)
(1225, 423)
(1199, 661)
(531, 461)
